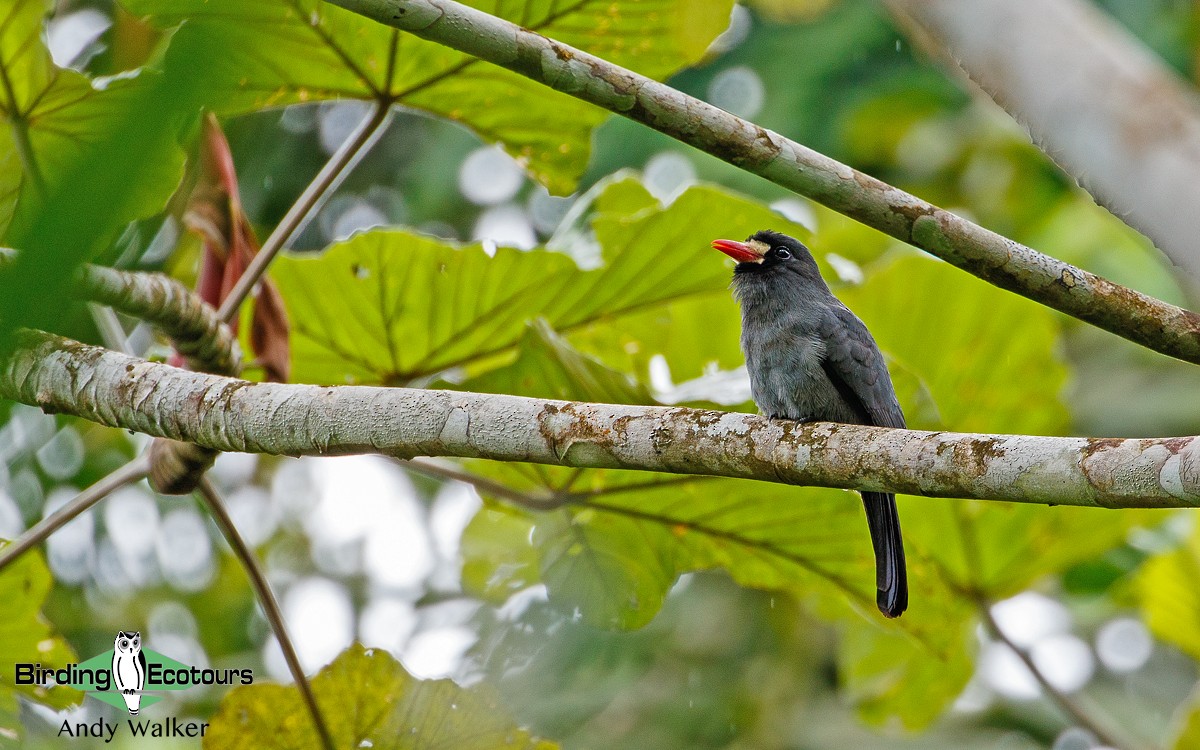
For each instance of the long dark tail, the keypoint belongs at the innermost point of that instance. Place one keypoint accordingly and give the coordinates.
(891, 578)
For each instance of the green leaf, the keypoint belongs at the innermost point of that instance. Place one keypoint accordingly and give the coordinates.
(53, 116)
(886, 674)
(499, 558)
(548, 367)
(614, 571)
(1168, 585)
(367, 700)
(275, 52)
(79, 160)
(410, 307)
(26, 638)
(956, 333)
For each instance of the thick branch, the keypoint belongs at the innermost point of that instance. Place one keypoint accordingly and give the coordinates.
(990, 256)
(227, 414)
(1093, 97)
(193, 327)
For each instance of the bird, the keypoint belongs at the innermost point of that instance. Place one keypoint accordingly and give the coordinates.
(129, 669)
(811, 359)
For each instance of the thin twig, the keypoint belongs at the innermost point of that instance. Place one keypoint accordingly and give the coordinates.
(331, 175)
(483, 484)
(266, 598)
(1066, 703)
(127, 474)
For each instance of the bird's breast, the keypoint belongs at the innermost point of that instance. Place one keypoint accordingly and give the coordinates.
(786, 376)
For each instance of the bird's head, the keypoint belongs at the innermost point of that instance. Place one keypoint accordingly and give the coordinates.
(766, 254)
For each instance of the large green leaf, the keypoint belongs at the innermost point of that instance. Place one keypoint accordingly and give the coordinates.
(887, 674)
(26, 638)
(274, 52)
(53, 116)
(368, 700)
(988, 357)
(548, 367)
(1169, 589)
(409, 307)
(78, 161)
(499, 558)
(611, 569)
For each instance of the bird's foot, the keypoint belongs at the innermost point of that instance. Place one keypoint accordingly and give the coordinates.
(801, 420)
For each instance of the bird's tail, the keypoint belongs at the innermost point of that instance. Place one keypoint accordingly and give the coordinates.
(891, 578)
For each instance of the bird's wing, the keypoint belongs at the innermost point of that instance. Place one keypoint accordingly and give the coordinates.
(855, 366)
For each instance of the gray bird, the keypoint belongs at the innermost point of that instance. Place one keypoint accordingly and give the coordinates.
(811, 359)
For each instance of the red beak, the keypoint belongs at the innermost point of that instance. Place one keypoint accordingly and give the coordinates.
(739, 251)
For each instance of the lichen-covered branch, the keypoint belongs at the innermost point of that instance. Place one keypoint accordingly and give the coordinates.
(206, 343)
(990, 256)
(1092, 96)
(195, 330)
(228, 414)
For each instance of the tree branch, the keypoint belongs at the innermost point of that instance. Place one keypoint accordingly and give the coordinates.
(1140, 318)
(266, 599)
(327, 180)
(1068, 705)
(1091, 96)
(227, 414)
(127, 474)
(197, 333)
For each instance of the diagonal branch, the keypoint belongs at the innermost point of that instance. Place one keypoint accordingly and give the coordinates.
(1140, 318)
(1091, 95)
(266, 599)
(127, 474)
(1068, 705)
(227, 414)
(327, 180)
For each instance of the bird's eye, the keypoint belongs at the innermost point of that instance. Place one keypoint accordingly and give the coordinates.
(124, 644)
(783, 253)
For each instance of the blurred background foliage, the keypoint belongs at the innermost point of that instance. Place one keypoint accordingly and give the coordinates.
(647, 611)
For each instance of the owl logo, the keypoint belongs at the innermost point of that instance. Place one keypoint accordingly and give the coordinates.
(129, 669)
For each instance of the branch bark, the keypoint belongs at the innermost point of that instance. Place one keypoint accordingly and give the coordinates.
(1140, 318)
(1091, 96)
(207, 344)
(227, 414)
(195, 329)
